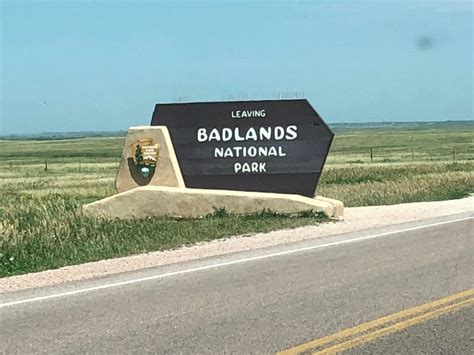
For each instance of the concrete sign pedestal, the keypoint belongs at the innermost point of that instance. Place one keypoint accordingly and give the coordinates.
(149, 201)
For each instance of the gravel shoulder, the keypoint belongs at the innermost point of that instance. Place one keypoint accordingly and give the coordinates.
(356, 219)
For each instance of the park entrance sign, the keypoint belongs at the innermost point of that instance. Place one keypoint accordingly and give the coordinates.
(267, 146)
(244, 157)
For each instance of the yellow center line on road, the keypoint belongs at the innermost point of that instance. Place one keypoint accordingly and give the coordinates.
(371, 330)
(394, 328)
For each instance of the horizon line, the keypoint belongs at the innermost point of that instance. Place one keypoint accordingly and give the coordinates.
(50, 133)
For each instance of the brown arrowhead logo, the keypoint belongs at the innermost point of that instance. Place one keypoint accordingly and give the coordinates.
(143, 160)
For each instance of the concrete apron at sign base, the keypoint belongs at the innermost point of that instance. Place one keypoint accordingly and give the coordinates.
(147, 201)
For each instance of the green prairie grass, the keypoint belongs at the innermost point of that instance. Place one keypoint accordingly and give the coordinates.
(371, 190)
(387, 184)
(400, 143)
(45, 232)
(42, 226)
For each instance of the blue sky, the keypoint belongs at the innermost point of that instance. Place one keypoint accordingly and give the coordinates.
(102, 65)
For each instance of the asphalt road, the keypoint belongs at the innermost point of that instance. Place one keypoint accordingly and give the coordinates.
(261, 301)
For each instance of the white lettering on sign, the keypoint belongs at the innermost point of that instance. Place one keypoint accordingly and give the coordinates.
(250, 134)
(248, 113)
(253, 167)
(252, 152)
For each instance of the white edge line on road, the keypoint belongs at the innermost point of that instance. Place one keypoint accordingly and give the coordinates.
(218, 265)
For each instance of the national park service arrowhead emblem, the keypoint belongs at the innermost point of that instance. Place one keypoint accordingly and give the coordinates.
(142, 162)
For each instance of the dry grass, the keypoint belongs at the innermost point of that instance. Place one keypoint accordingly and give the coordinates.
(385, 184)
(410, 188)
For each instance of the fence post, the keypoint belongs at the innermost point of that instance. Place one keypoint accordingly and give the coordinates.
(454, 155)
(412, 154)
(46, 165)
(371, 155)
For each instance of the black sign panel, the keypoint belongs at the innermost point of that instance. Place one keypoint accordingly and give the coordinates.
(268, 146)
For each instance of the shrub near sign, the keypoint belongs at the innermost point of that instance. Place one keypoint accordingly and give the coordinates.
(269, 146)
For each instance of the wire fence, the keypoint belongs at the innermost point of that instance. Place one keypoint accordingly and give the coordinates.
(400, 154)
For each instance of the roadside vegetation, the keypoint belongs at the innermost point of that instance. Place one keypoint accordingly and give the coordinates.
(388, 184)
(46, 232)
(43, 183)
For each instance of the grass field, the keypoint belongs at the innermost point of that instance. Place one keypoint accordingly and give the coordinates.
(42, 226)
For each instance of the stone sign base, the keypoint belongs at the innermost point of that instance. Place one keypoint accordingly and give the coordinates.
(147, 201)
